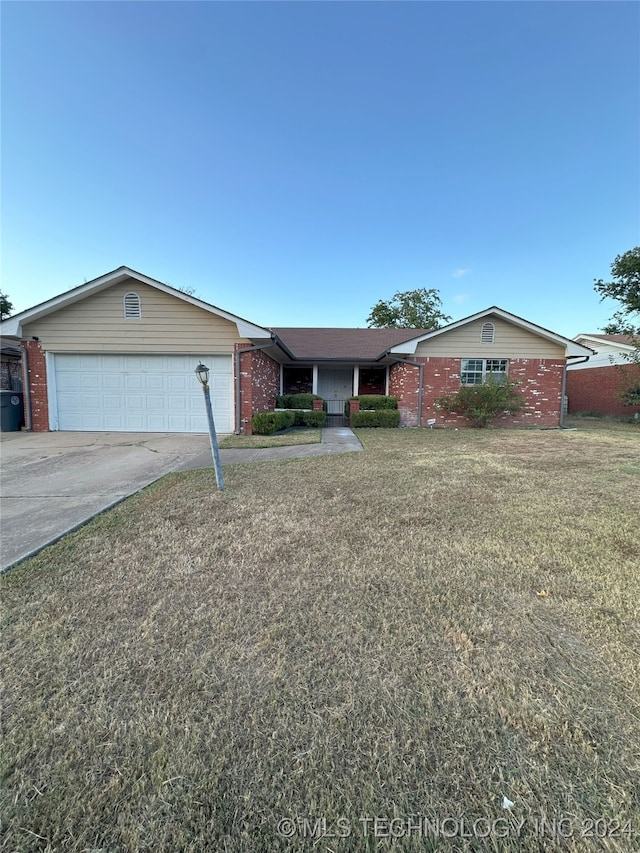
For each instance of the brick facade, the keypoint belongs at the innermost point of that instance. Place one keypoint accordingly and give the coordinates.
(11, 374)
(37, 380)
(540, 383)
(259, 385)
(597, 389)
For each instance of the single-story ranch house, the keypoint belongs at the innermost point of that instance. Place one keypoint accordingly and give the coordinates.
(118, 354)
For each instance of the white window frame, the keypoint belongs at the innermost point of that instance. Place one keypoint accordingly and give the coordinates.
(481, 369)
(131, 306)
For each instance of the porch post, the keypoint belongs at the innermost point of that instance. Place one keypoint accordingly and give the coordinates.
(314, 387)
(356, 379)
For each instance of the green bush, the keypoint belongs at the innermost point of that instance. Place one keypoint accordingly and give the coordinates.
(631, 397)
(297, 401)
(266, 423)
(482, 404)
(313, 419)
(373, 401)
(380, 418)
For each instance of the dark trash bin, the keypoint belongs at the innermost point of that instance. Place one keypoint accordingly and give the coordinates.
(11, 411)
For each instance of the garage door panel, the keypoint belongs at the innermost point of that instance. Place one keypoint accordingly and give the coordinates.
(91, 362)
(178, 404)
(112, 381)
(155, 383)
(133, 381)
(149, 393)
(135, 423)
(114, 423)
(91, 382)
(67, 382)
(178, 383)
(219, 383)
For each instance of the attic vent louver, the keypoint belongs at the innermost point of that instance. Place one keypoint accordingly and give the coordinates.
(132, 309)
(488, 333)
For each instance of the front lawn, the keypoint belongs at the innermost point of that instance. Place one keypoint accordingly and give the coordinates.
(288, 438)
(409, 633)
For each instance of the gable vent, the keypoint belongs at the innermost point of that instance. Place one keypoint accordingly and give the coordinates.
(488, 333)
(132, 306)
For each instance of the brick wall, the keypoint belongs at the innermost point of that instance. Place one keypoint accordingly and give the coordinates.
(259, 385)
(37, 378)
(11, 374)
(597, 389)
(541, 385)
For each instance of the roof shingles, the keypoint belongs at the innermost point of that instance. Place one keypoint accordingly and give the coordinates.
(349, 344)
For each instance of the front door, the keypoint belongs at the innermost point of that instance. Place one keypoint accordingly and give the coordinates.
(335, 386)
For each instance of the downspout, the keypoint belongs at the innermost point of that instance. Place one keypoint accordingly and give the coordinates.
(564, 387)
(420, 367)
(562, 395)
(238, 384)
(26, 388)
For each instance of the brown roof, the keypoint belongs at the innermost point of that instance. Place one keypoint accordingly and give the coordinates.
(614, 339)
(349, 344)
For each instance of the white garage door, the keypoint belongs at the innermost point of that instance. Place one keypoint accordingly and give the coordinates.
(139, 393)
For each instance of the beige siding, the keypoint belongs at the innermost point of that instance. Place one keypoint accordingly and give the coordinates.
(510, 342)
(97, 324)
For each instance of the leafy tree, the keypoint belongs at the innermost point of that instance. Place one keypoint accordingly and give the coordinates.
(631, 396)
(624, 288)
(482, 404)
(6, 307)
(412, 309)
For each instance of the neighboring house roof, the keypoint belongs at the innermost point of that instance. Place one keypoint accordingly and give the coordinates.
(573, 349)
(13, 326)
(624, 341)
(609, 350)
(317, 344)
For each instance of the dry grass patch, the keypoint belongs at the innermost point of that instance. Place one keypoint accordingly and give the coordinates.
(286, 439)
(346, 637)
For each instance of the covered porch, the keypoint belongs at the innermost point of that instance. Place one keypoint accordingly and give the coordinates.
(335, 383)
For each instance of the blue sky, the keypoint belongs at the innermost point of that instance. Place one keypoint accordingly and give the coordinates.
(294, 163)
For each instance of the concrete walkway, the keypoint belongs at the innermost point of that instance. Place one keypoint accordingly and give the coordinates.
(54, 482)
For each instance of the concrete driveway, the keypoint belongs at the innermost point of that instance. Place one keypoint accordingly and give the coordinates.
(51, 482)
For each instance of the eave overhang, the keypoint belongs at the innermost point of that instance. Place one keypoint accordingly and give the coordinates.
(13, 326)
(572, 348)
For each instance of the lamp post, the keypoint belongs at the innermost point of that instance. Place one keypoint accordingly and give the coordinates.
(202, 372)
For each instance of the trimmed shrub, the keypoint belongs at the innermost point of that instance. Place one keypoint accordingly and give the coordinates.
(297, 401)
(266, 423)
(388, 418)
(373, 401)
(313, 419)
(482, 404)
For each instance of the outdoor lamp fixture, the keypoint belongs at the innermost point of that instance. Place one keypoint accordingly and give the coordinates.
(202, 372)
